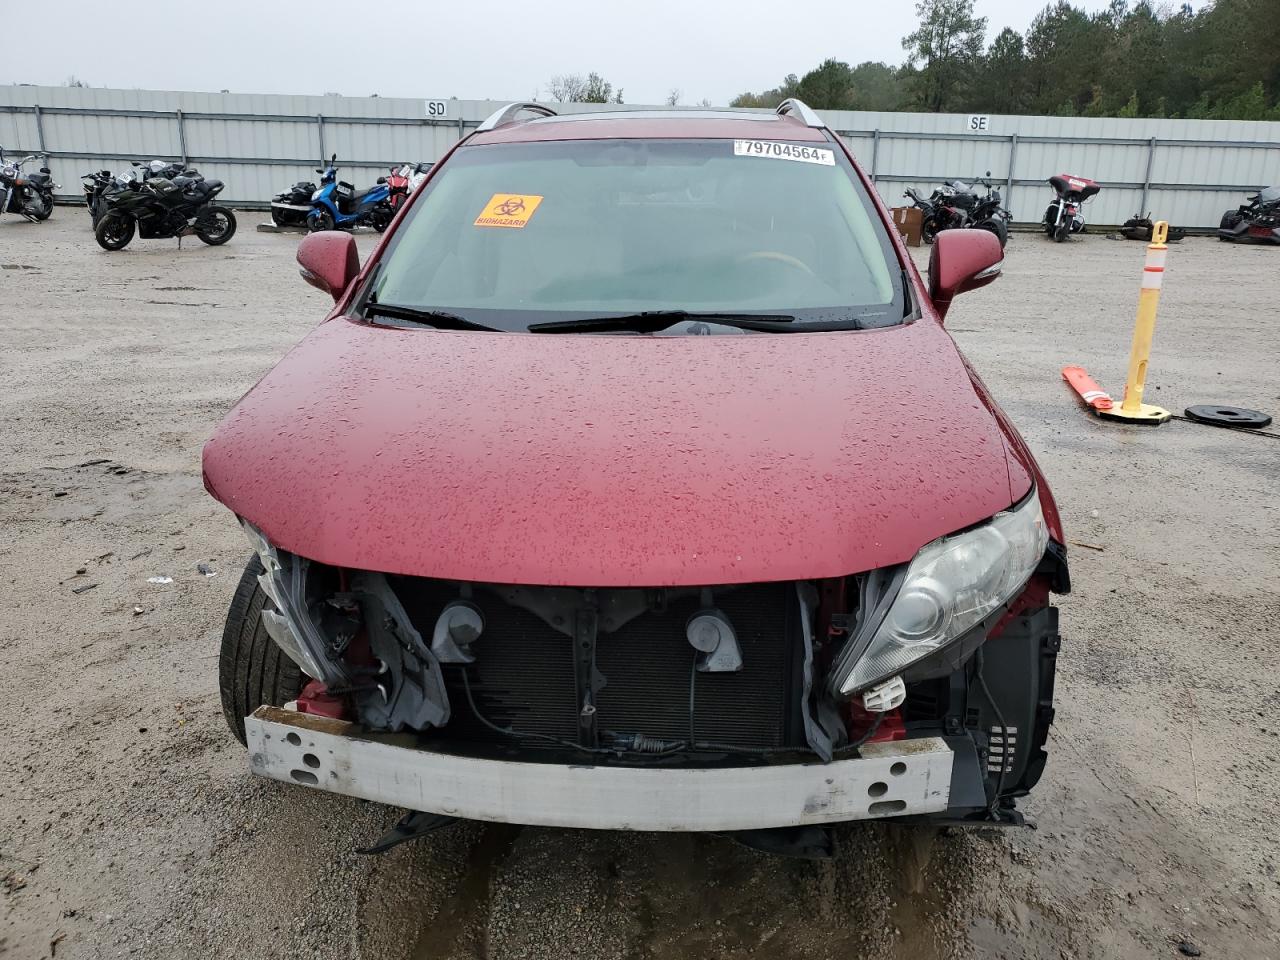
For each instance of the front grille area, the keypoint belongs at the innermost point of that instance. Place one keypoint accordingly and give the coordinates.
(523, 677)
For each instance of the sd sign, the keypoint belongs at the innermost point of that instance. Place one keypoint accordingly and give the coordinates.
(437, 109)
(979, 123)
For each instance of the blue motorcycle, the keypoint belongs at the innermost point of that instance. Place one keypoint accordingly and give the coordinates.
(337, 205)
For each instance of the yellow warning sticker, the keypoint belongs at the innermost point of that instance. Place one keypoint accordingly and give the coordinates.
(508, 210)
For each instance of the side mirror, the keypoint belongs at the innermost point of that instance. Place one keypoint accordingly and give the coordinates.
(962, 260)
(329, 261)
(382, 179)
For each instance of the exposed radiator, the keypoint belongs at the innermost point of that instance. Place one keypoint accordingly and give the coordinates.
(523, 675)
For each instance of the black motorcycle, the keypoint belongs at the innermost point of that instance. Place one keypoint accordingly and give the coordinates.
(97, 183)
(989, 215)
(158, 208)
(1141, 227)
(29, 195)
(955, 205)
(1258, 221)
(290, 208)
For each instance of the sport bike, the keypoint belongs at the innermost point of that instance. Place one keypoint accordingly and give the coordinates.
(28, 195)
(157, 208)
(1258, 221)
(97, 182)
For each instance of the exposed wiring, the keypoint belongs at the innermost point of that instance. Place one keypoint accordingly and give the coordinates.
(1004, 733)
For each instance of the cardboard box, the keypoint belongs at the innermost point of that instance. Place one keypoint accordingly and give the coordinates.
(908, 220)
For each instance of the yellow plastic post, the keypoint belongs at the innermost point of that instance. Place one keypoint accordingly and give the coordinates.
(1132, 409)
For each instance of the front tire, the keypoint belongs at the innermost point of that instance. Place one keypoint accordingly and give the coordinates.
(114, 230)
(929, 231)
(46, 207)
(216, 226)
(998, 227)
(318, 220)
(252, 670)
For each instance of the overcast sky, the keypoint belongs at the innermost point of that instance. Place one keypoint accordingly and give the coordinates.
(476, 49)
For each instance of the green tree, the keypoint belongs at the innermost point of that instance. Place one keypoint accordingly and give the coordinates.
(789, 87)
(829, 86)
(947, 46)
(1004, 82)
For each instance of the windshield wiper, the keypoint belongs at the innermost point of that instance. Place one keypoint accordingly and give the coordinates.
(439, 319)
(655, 320)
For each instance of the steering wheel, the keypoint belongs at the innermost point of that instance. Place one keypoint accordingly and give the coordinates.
(778, 257)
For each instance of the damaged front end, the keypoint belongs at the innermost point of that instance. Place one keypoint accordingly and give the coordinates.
(942, 677)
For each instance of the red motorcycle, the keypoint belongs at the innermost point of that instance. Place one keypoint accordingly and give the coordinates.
(404, 179)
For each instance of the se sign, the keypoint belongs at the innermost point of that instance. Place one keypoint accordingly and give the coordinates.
(979, 123)
(437, 109)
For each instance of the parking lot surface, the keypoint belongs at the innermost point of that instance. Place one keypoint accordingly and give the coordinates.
(129, 823)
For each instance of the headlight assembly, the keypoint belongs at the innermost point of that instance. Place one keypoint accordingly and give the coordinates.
(951, 585)
(290, 624)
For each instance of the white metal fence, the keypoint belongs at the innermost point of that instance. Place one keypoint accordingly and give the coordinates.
(1186, 171)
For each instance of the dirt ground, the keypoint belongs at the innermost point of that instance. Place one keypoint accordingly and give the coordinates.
(129, 823)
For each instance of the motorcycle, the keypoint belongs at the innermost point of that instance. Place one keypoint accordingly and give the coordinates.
(955, 205)
(97, 182)
(405, 179)
(338, 206)
(1063, 216)
(946, 209)
(28, 195)
(158, 208)
(1258, 221)
(290, 207)
(1141, 227)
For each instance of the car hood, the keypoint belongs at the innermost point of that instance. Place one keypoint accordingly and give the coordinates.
(595, 460)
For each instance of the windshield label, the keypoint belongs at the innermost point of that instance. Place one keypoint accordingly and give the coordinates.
(508, 210)
(784, 151)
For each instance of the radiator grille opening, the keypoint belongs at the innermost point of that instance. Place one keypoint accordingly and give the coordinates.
(523, 677)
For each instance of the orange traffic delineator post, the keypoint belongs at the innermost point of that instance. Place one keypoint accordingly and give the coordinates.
(1132, 409)
(1083, 384)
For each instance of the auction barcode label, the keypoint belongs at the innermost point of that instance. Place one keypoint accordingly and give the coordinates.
(784, 151)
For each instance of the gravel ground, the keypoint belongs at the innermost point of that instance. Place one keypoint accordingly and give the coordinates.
(129, 824)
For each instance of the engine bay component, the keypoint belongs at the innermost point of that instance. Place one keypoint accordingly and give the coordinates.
(885, 696)
(413, 695)
(459, 625)
(710, 632)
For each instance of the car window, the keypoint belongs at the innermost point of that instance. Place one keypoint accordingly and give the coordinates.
(514, 234)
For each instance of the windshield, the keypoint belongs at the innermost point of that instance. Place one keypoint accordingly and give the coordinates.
(513, 235)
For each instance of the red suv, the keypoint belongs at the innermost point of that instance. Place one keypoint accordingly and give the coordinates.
(634, 483)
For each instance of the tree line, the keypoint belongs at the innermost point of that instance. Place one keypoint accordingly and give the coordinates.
(1127, 60)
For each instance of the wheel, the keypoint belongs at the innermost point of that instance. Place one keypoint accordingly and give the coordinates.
(252, 670)
(278, 218)
(929, 231)
(46, 207)
(114, 230)
(382, 218)
(998, 227)
(1061, 232)
(319, 220)
(216, 225)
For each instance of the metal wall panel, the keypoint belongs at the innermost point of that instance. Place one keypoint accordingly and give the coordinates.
(260, 143)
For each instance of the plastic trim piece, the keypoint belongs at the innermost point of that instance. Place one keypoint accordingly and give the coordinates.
(509, 113)
(802, 110)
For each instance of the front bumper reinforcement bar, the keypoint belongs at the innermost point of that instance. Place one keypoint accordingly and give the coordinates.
(896, 778)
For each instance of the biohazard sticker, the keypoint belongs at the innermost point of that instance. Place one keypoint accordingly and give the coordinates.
(508, 210)
(784, 151)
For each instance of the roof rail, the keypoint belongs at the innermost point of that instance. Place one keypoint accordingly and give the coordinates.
(800, 109)
(509, 113)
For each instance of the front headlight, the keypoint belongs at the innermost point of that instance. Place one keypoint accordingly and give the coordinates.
(952, 585)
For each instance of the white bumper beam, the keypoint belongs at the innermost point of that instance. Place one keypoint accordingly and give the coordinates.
(891, 779)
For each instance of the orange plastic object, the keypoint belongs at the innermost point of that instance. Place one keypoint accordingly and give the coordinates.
(1087, 387)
